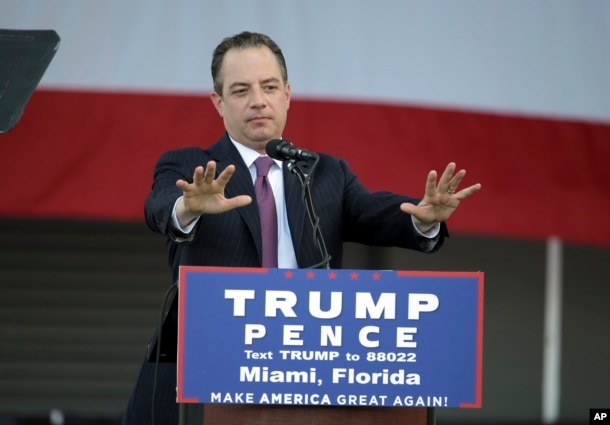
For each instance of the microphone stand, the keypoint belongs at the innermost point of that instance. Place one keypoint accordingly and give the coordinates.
(305, 180)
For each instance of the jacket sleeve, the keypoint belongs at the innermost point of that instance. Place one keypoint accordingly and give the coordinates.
(172, 166)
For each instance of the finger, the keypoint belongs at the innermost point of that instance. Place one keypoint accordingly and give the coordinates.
(407, 207)
(239, 201)
(182, 185)
(414, 211)
(209, 173)
(471, 190)
(431, 184)
(455, 181)
(443, 183)
(225, 176)
(198, 175)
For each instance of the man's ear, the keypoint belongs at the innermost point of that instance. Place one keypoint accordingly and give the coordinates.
(217, 101)
(287, 93)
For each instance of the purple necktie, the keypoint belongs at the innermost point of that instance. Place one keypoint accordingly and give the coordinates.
(266, 210)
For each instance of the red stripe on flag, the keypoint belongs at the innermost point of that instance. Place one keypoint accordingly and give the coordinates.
(90, 155)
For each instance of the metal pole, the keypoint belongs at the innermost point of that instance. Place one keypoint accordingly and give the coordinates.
(551, 365)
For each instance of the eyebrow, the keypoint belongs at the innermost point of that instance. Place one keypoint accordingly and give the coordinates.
(265, 81)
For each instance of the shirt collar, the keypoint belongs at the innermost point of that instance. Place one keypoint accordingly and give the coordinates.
(249, 155)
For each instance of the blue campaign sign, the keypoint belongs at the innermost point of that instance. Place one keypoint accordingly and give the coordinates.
(330, 337)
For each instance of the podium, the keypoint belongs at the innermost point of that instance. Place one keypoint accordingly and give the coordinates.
(271, 346)
(217, 414)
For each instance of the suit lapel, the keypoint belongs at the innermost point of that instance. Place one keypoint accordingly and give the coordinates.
(224, 153)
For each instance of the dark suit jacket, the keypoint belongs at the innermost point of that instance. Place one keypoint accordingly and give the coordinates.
(348, 212)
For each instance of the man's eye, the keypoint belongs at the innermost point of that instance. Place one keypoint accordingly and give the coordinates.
(270, 88)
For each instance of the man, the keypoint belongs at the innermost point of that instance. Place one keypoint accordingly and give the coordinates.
(205, 202)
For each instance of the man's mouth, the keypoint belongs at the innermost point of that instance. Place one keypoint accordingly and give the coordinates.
(258, 118)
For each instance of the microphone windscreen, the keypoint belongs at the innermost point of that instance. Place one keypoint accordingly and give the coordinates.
(274, 147)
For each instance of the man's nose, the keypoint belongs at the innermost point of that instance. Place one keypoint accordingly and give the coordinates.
(257, 97)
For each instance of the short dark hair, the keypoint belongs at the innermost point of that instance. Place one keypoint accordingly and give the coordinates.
(242, 41)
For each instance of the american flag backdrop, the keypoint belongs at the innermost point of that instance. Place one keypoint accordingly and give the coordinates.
(517, 93)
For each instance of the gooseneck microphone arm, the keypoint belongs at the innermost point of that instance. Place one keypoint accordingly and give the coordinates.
(305, 180)
(284, 150)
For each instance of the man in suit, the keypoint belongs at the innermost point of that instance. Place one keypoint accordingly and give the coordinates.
(204, 200)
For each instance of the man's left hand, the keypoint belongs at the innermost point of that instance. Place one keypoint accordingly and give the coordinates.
(440, 200)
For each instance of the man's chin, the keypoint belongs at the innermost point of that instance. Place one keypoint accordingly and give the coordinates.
(262, 138)
(257, 142)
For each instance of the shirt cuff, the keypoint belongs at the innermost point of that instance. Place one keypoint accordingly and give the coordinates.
(430, 234)
(184, 230)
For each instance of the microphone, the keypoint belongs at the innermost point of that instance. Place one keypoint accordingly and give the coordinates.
(284, 150)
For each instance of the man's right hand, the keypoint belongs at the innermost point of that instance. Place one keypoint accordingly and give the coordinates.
(206, 195)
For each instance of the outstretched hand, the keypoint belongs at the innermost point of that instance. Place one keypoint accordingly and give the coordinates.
(440, 200)
(206, 195)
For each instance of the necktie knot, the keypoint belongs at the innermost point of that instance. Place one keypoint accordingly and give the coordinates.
(263, 164)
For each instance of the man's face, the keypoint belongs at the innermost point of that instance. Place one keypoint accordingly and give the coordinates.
(254, 102)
